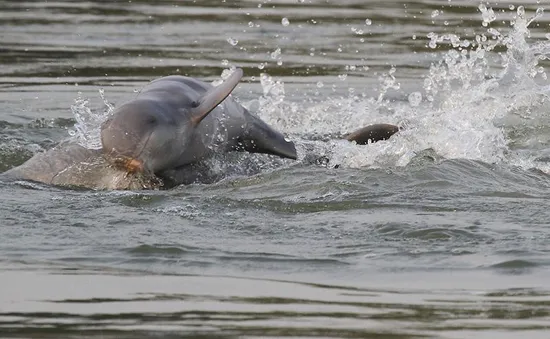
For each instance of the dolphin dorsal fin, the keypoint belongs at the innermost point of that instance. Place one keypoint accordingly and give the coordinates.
(214, 97)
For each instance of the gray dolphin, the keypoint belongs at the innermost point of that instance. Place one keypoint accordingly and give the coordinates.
(176, 121)
(70, 164)
(158, 139)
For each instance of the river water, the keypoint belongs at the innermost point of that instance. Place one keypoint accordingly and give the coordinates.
(441, 231)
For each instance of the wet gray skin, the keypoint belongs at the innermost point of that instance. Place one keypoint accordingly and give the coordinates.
(372, 133)
(176, 121)
(69, 164)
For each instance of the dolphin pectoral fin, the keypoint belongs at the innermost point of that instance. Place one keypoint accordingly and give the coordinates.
(372, 133)
(214, 97)
(259, 137)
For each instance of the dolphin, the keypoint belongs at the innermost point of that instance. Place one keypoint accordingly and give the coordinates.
(69, 164)
(176, 121)
(72, 165)
(160, 139)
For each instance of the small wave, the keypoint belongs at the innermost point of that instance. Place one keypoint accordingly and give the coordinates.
(278, 259)
(444, 233)
(516, 264)
(187, 211)
(164, 250)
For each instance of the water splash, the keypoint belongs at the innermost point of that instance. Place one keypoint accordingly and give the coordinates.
(226, 73)
(472, 101)
(87, 129)
(273, 108)
(473, 104)
(475, 93)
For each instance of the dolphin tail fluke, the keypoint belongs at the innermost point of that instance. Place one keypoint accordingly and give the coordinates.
(215, 96)
(372, 133)
(259, 137)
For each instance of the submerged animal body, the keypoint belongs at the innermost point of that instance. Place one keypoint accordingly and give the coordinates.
(70, 164)
(177, 121)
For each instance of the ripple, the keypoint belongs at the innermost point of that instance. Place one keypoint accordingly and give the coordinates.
(146, 250)
(255, 307)
(516, 264)
(403, 214)
(439, 234)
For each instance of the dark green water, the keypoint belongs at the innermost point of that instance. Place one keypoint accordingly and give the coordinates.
(442, 231)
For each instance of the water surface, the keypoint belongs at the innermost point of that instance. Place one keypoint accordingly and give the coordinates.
(441, 231)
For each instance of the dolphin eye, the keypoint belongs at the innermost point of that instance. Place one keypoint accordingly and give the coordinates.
(151, 120)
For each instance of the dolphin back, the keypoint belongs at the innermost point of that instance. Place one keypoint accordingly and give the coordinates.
(98, 174)
(72, 165)
(44, 166)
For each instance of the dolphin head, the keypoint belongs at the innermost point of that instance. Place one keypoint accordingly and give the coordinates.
(140, 138)
(151, 134)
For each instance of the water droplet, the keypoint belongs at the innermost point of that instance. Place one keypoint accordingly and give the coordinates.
(493, 32)
(487, 14)
(368, 22)
(232, 41)
(357, 31)
(342, 77)
(285, 22)
(320, 84)
(276, 53)
(435, 13)
(512, 7)
(250, 24)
